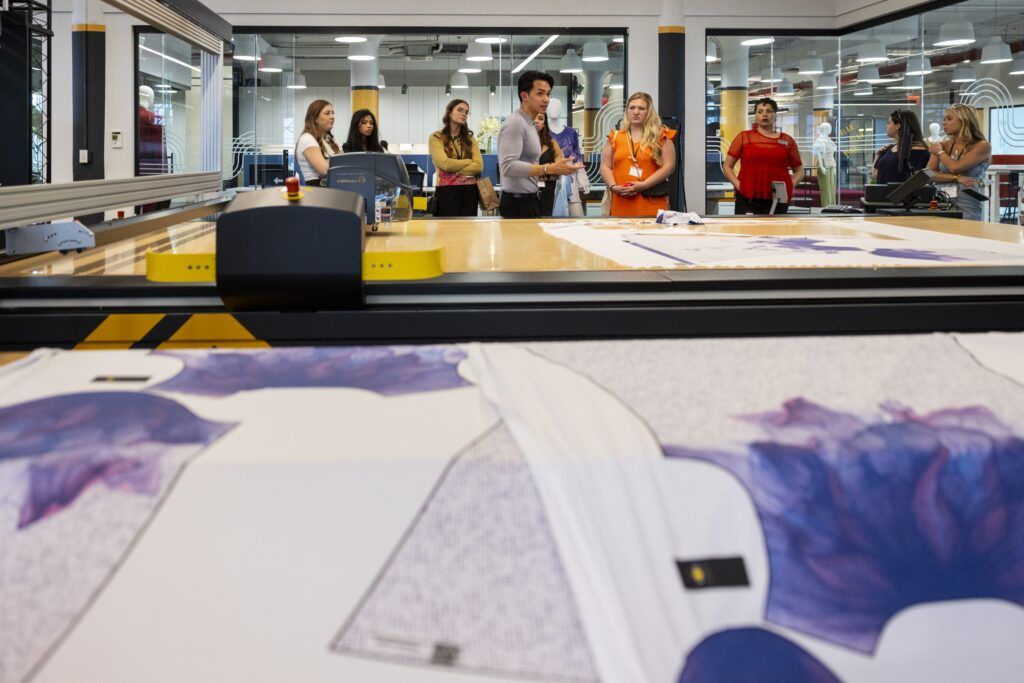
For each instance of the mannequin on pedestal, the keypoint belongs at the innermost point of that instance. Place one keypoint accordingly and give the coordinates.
(825, 160)
(152, 150)
(569, 142)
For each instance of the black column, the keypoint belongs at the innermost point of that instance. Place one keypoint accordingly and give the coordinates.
(15, 101)
(671, 45)
(671, 101)
(88, 75)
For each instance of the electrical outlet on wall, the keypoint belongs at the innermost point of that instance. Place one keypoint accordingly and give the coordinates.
(83, 156)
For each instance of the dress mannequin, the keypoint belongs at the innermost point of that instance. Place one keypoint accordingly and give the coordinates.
(569, 142)
(825, 160)
(152, 151)
(555, 122)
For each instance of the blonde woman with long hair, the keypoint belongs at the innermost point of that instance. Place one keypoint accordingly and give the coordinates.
(962, 158)
(637, 158)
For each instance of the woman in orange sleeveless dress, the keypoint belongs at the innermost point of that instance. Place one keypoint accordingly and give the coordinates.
(638, 157)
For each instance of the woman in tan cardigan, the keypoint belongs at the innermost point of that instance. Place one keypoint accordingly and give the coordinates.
(456, 155)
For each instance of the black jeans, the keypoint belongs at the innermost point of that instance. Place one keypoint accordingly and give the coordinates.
(757, 206)
(456, 200)
(519, 207)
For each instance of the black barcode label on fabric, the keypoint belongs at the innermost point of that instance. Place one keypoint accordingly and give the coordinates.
(718, 572)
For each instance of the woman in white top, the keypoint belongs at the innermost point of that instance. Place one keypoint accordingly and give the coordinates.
(316, 143)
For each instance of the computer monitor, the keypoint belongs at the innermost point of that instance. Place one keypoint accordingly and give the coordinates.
(380, 178)
(906, 193)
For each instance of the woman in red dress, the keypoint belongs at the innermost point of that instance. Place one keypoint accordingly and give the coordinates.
(767, 156)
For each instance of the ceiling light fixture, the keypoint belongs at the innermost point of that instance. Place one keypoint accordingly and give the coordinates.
(595, 51)
(362, 52)
(459, 81)
(871, 53)
(964, 74)
(570, 63)
(490, 40)
(955, 32)
(758, 40)
(810, 65)
(479, 52)
(919, 65)
(995, 52)
(712, 55)
(1017, 68)
(350, 39)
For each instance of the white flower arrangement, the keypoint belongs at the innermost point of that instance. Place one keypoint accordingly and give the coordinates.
(488, 131)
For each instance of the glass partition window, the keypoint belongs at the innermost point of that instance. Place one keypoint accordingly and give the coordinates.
(970, 53)
(168, 133)
(408, 79)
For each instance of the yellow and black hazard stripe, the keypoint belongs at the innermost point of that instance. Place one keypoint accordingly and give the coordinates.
(170, 331)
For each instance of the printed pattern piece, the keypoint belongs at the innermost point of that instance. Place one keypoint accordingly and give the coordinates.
(710, 249)
(477, 583)
(745, 655)
(387, 370)
(80, 477)
(863, 519)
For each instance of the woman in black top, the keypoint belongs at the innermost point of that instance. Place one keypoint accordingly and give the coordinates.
(550, 152)
(903, 127)
(362, 134)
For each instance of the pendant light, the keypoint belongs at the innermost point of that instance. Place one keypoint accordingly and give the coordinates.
(595, 51)
(995, 52)
(570, 63)
(712, 55)
(863, 88)
(469, 68)
(362, 52)
(915, 82)
(479, 52)
(1017, 68)
(785, 88)
(872, 52)
(955, 32)
(459, 81)
(296, 81)
(919, 65)
(868, 74)
(964, 73)
(811, 65)
(826, 82)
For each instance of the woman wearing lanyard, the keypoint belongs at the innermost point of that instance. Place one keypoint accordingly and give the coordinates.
(767, 156)
(638, 160)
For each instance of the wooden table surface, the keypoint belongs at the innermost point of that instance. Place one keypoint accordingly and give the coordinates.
(485, 244)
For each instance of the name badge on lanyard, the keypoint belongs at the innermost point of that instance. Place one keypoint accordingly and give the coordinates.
(635, 171)
(782, 142)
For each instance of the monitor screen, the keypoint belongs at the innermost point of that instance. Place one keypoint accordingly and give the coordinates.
(905, 191)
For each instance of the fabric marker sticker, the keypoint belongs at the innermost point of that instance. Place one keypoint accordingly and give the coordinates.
(717, 572)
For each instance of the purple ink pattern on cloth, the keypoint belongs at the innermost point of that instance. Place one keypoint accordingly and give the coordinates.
(916, 254)
(810, 244)
(752, 655)
(77, 440)
(386, 370)
(863, 519)
(801, 244)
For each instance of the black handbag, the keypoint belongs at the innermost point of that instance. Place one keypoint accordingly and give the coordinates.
(662, 189)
